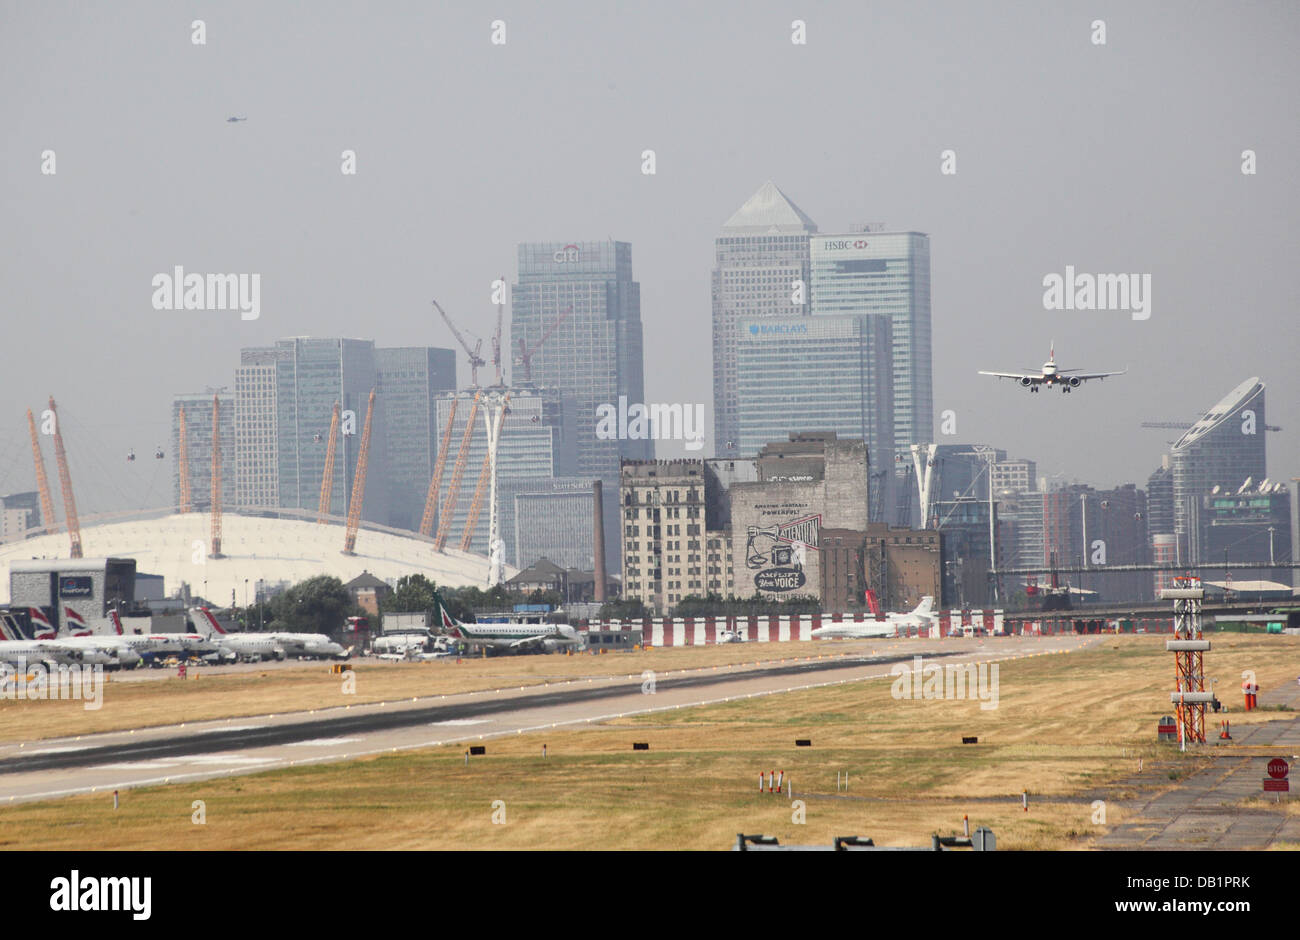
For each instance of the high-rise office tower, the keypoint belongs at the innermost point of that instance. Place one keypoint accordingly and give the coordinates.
(257, 482)
(760, 271)
(312, 376)
(198, 436)
(582, 295)
(885, 273)
(410, 381)
(595, 353)
(830, 373)
(1224, 448)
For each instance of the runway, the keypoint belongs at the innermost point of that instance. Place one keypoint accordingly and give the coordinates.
(195, 751)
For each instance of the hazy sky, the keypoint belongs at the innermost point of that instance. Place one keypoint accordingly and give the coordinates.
(1123, 157)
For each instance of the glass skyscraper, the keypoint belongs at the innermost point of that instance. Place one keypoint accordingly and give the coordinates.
(886, 273)
(830, 373)
(761, 270)
(198, 438)
(312, 376)
(410, 381)
(595, 354)
(1224, 448)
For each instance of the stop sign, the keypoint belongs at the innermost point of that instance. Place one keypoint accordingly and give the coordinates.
(1278, 768)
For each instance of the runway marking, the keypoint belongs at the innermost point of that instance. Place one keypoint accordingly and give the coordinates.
(321, 742)
(462, 721)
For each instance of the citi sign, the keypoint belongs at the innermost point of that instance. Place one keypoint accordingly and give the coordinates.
(566, 255)
(844, 244)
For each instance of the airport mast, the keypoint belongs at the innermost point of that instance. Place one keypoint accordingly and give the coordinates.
(42, 484)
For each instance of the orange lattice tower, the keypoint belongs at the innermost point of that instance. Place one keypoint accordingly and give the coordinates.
(1189, 648)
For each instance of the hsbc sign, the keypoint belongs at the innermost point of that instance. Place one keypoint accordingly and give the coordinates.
(844, 244)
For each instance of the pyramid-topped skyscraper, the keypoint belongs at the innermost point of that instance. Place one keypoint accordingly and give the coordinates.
(761, 270)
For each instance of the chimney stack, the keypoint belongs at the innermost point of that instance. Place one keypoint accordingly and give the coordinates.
(598, 538)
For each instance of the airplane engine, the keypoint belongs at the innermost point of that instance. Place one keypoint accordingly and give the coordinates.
(1026, 381)
(550, 646)
(1075, 381)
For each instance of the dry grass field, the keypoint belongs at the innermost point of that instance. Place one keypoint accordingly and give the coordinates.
(1066, 729)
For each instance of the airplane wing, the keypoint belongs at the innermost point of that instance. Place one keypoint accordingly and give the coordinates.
(525, 641)
(1014, 375)
(1083, 377)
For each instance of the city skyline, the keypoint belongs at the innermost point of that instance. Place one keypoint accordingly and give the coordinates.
(1018, 187)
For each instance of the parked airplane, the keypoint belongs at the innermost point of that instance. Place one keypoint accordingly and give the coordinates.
(891, 625)
(107, 650)
(278, 644)
(400, 643)
(1051, 375)
(507, 636)
(18, 651)
(730, 636)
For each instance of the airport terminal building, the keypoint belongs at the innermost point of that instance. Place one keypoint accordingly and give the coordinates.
(69, 590)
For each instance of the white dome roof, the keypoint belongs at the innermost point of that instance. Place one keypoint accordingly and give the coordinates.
(256, 548)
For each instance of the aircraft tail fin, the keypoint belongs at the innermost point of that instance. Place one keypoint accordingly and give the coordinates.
(873, 603)
(207, 624)
(116, 620)
(445, 619)
(926, 606)
(42, 629)
(9, 628)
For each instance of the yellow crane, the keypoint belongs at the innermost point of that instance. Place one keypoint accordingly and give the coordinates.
(183, 464)
(435, 484)
(327, 481)
(47, 504)
(65, 483)
(458, 471)
(359, 482)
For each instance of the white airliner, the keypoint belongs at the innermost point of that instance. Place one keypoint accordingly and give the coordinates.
(507, 636)
(1051, 375)
(275, 644)
(16, 650)
(80, 645)
(892, 625)
(108, 650)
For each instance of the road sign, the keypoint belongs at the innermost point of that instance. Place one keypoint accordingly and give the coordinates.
(1278, 768)
(1274, 785)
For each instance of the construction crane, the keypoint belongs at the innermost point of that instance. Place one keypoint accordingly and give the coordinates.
(475, 360)
(327, 481)
(215, 551)
(183, 463)
(526, 354)
(458, 471)
(359, 482)
(47, 504)
(435, 484)
(65, 483)
(489, 460)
